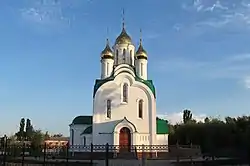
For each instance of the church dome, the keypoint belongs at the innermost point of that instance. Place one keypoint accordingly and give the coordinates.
(107, 52)
(123, 38)
(141, 53)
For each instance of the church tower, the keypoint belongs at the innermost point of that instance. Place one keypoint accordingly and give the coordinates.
(124, 49)
(124, 101)
(107, 61)
(141, 62)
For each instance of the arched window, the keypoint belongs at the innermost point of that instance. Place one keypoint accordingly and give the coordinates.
(140, 109)
(84, 141)
(108, 108)
(141, 69)
(117, 57)
(124, 55)
(130, 53)
(125, 92)
(72, 137)
(107, 69)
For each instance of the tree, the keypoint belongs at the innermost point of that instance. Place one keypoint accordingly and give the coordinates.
(230, 120)
(46, 136)
(29, 130)
(37, 138)
(21, 133)
(187, 116)
(57, 135)
(207, 120)
(216, 137)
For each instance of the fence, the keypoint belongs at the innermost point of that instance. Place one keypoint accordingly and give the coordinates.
(95, 154)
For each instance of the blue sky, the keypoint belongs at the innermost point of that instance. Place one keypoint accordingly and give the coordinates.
(199, 56)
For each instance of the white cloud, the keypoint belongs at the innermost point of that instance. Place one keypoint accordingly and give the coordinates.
(235, 67)
(247, 82)
(216, 5)
(219, 15)
(45, 12)
(177, 117)
(177, 27)
(51, 13)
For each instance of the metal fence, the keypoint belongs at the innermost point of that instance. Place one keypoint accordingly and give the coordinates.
(46, 153)
(25, 154)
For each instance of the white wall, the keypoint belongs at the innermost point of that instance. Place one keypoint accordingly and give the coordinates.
(106, 67)
(141, 68)
(78, 129)
(113, 90)
(88, 139)
(162, 139)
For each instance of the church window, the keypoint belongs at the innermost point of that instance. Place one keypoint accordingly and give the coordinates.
(140, 108)
(125, 92)
(124, 55)
(130, 57)
(141, 69)
(108, 108)
(107, 68)
(117, 57)
(84, 141)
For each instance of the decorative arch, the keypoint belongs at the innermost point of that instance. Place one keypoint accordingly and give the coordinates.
(125, 123)
(124, 68)
(148, 92)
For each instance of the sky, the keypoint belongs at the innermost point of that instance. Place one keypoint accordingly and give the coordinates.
(198, 57)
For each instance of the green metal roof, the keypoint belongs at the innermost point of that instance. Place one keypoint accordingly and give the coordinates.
(88, 130)
(82, 120)
(100, 82)
(162, 126)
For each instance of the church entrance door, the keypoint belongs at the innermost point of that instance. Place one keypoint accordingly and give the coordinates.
(125, 139)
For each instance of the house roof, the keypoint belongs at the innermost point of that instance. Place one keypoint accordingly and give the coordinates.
(162, 126)
(88, 130)
(83, 120)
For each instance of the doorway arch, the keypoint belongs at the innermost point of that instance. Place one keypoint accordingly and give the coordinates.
(125, 139)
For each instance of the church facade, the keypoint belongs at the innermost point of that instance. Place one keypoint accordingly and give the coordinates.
(124, 101)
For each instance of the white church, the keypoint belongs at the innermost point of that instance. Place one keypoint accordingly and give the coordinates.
(124, 101)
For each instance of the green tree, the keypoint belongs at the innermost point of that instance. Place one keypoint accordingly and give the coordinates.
(46, 136)
(207, 120)
(21, 133)
(216, 137)
(29, 130)
(57, 135)
(187, 116)
(37, 138)
(230, 120)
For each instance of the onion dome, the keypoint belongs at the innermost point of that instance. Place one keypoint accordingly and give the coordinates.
(141, 53)
(107, 52)
(123, 38)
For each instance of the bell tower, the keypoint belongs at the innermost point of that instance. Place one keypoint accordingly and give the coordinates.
(141, 61)
(124, 50)
(107, 61)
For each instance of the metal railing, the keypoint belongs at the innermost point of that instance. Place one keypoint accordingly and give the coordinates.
(46, 154)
